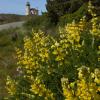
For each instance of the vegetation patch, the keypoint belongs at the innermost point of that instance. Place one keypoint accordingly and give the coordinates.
(8, 18)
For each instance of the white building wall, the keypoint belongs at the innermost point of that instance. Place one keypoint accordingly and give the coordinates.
(27, 10)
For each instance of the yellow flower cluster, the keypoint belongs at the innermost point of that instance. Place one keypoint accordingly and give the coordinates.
(74, 31)
(85, 88)
(41, 46)
(40, 90)
(67, 91)
(91, 8)
(95, 28)
(35, 51)
(58, 51)
(11, 86)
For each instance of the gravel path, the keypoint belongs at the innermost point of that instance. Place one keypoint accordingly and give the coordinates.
(11, 25)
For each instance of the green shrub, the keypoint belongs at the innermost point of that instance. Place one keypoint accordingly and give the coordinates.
(45, 60)
(68, 18)
(65, 67)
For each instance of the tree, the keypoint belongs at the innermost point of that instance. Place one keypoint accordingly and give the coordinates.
(57, 8)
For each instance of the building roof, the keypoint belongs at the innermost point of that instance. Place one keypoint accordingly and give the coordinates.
(34, 9)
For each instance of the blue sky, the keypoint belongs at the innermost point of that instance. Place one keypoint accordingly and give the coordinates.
(18, 6)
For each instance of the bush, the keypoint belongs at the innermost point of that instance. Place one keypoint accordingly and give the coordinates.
(59, 68)
(45, 60)
(38, 23)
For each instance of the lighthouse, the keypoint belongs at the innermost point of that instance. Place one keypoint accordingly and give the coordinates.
(27, 8)
(30, 11)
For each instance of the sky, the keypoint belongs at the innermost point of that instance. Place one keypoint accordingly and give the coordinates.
(18, 6)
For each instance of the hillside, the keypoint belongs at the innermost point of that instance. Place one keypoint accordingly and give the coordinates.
(8, 18)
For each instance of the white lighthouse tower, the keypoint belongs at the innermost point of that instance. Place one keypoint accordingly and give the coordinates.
(27, 8)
